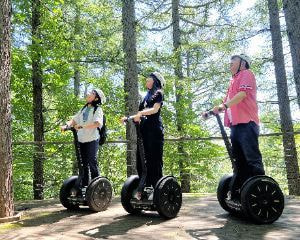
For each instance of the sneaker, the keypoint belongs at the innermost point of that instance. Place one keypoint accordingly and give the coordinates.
(83, 191)
(149, 191)
(138, 196)
(150, 198)
(228, 195)
(73, 192)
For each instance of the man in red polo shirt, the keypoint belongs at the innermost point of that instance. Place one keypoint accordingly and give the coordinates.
(241, 115)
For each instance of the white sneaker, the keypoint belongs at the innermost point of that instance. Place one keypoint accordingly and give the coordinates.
(137, 195)
(228, 195)
(150, 198)
(83, 191)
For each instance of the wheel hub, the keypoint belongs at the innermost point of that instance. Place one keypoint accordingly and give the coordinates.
(171, 197)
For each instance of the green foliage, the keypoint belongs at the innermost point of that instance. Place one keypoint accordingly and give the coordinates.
(87, 36)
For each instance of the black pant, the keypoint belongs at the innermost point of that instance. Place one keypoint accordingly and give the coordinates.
(153, 140)
(245, 150)
(89, 152)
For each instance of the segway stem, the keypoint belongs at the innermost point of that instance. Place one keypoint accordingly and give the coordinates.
(141, 148)
(224, 136)
(78, 155)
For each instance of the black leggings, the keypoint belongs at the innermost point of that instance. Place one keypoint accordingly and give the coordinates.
(153, 144)
(89, 152)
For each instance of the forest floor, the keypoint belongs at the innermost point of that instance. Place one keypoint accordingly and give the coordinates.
(200, 217)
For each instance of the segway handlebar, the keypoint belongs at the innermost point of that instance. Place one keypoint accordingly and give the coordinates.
(131, 118)
(69, 128)
(209, 113)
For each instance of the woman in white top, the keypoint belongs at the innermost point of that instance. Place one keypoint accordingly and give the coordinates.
(86, 122)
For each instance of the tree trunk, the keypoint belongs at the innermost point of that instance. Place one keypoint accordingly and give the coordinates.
(6, 191)
(290, 153)
(179, 108)
(76, 50)
(130, 78)
(292, 18)
(76, 68)
(76, 80)
(38, 156)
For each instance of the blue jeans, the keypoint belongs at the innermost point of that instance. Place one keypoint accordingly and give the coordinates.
(89, 152)
(245, 150)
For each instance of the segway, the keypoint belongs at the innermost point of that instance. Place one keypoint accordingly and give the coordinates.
(260, 198)
(167, 195)
(97, 195)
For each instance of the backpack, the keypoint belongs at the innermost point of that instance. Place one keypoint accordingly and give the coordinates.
(103, 132)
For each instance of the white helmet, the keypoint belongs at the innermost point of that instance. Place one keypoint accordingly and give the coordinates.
(245, 58)
(100, 94)
(160, 78)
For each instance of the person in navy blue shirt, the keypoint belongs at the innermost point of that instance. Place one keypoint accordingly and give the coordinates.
(151, 130)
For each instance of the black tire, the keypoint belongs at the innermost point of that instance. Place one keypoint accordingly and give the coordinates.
(99, 194)
(65, 193)
(126, 194)
(222, 191)
(262, 200)
(168, 197)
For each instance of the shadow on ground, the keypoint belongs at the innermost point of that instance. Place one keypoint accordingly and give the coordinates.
(123, 224)
(234, 228)
(51, 217)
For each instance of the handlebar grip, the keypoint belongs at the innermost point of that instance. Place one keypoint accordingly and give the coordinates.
(68, 128)
(130, 118)
(211, 113)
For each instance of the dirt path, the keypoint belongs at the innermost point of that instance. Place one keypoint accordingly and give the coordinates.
(199, 218)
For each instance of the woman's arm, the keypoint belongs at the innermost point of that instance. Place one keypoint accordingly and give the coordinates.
(91, 125)
(150, 111)
(147, 112)
(71, 123)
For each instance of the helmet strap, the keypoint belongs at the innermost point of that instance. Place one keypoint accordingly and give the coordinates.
(239, 69)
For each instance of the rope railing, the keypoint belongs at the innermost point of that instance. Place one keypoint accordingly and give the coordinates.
(166, 139)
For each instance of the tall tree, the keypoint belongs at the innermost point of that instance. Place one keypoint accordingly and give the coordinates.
(179, 91)
(292, 18)
(76, 49)
(38, 157)
(6, 193)
(290, 153)
(76, 65)
(130, 78)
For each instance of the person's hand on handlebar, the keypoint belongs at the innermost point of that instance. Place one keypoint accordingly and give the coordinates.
(63, 128)
(123, 120)
(77, 127)
(218, 109)
(67, 125)
(137, 117)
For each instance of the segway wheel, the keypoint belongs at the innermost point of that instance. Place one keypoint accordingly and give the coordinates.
(168, 197)
(126, 194)
(262, 200)
(65, 193)
(99, 194)
(222, 191)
